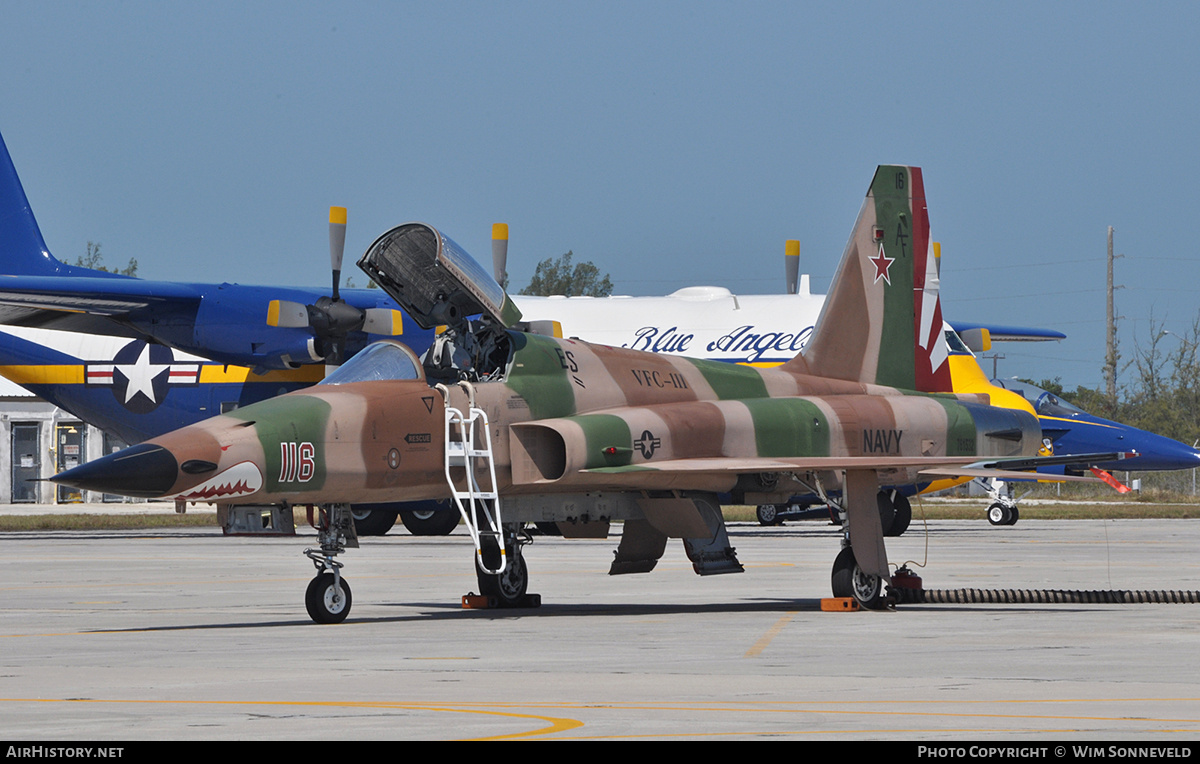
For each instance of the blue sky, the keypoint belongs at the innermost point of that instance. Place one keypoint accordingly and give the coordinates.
(672, 143)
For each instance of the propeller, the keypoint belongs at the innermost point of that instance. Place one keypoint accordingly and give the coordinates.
(791, 263)
(331, 319)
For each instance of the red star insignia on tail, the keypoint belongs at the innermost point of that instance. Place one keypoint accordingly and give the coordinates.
(882, 264)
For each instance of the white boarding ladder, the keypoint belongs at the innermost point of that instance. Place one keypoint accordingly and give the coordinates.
(469, 445)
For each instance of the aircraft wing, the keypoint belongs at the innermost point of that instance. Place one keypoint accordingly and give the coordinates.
(724, 470)
(94, 305)
(1083, 461)
(227, 323)
(1026, 469)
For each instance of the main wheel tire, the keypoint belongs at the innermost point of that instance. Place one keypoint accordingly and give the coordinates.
(887, 512)
(903, 516)
(430, 522)
(509, 586)
(326, 602)
(998, 514)
(1014, 515)
(372, 522)
(768, 514)
(849, 580)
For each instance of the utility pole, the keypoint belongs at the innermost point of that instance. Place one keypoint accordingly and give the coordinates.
(1110, 356)
(995, 357)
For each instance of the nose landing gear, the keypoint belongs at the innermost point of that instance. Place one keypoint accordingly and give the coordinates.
(328, 596)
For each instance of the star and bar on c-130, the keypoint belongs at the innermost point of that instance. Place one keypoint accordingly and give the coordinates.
(521, 428)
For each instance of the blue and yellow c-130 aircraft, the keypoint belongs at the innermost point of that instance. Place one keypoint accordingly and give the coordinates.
(260, 327)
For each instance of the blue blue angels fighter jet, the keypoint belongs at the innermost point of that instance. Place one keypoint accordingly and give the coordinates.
(1074, 431)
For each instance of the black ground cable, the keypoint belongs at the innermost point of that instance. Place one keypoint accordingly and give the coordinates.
(1042, 596)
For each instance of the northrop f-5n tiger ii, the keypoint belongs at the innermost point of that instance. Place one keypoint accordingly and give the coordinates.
(521, 428)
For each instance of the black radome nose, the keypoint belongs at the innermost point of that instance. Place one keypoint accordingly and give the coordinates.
(145, 471)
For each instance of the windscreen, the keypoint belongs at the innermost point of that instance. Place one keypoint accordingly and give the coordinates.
(378, 361)
(1044, 402)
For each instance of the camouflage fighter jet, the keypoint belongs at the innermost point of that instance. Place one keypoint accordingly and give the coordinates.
(523, 428)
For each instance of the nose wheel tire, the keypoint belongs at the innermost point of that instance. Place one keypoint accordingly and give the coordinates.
(326, 600)
(998, 514)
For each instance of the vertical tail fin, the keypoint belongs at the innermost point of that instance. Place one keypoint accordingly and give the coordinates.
(23, 251)
(882, 320)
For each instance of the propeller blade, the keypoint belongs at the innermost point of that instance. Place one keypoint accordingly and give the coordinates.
(385, 321)
(791, 262)
(337, 244)
(500, 252)
(977, 340)
(287, 314)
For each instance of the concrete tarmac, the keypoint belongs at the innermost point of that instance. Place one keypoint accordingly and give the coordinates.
(186, 634)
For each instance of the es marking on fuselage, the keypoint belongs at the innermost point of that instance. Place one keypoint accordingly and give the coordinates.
(566, 359)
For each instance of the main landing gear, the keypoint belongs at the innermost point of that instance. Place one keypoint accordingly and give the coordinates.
(420, 518)
(895, 512)
(849, 580)
(373, 522)
(433, 518)
(865, 523)
(509, 587)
